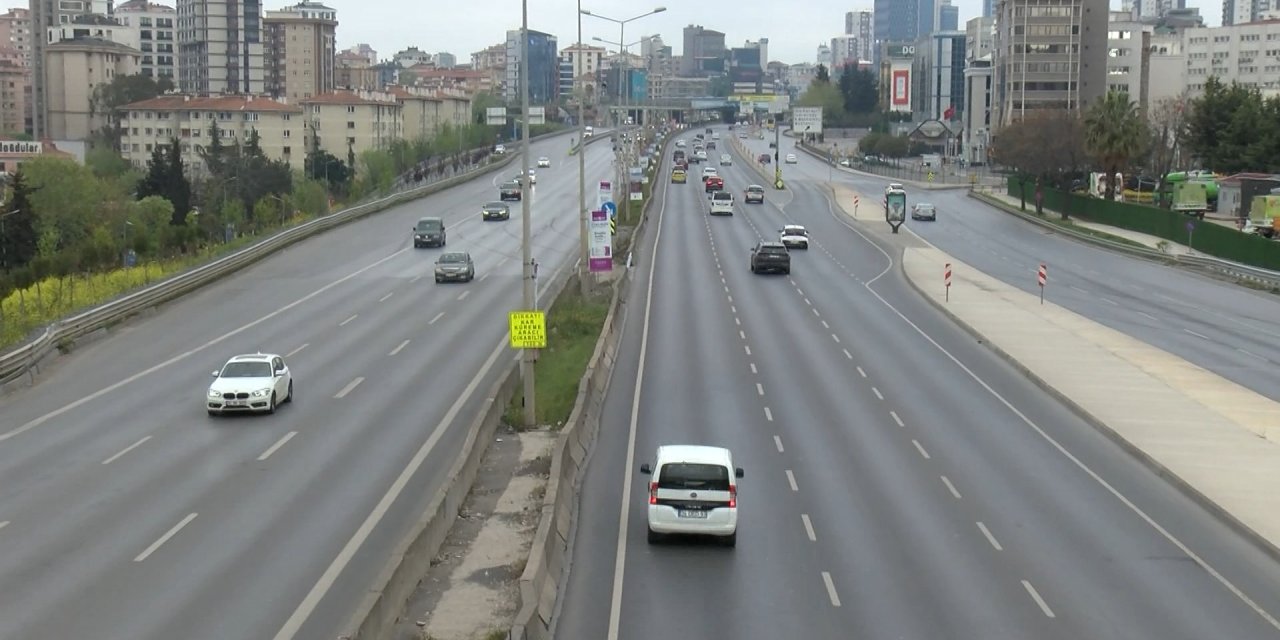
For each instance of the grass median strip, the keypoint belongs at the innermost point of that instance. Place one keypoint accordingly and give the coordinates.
(574, 324)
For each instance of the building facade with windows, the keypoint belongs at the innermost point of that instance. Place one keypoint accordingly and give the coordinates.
(1049, 54)
(220, 47)
(73, 70)
(355, 121)
(1245, 53)
(146, 125)
(544, 68)
(300, 51)
(152, 30)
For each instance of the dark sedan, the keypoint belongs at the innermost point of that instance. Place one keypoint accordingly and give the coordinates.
(495, 211)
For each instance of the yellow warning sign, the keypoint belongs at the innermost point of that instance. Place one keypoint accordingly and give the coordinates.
(528, 330)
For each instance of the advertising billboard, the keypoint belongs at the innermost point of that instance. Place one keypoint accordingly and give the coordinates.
(900, 92)
(600, 243)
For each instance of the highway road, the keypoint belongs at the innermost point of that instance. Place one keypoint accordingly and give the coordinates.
(901, 480)
(1225, 328)
(127, 513)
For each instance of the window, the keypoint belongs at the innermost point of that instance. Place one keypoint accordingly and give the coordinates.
(686, 475)
(351, 124)
(352, 109)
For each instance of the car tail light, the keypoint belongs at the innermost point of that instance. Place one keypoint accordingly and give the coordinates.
(653, 493)
(733, 496)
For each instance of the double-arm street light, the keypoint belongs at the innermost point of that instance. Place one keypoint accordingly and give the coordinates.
(624, 89)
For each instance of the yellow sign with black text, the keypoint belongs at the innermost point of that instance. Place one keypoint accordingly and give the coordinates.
(528, 330)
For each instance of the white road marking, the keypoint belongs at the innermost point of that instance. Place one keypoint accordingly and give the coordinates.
(415, 278)
(1035, 595)
(808, 527)
(831, 589)
(815, 312)
(847, 354)
(484, 277)
(737, 320)
(798, 289)
(742, 334)
(4, 523)
(806, 301)
(777, 442)
(894, 415)
(1110, 302)
(747, 348)
(726, 289)
(1078, 288)
(501, 262)
(861, 372)
(464, 295)
(990, 538)
(279, 443)
(879, 396)
(437, 317)
(759, 388)
(1148, 316)
(344, 322)
(165, 538)
(950, 487)
(298, 350)
(1250, 353)
(127, 450)
(791, 480)
(825, 325)
(733, 309)
(398, 348)
(753, 368)
(386, 297)
(835, 337)
(1198, 335)
(349, 388)
(920, 448)
(768, 415)
(731, 300)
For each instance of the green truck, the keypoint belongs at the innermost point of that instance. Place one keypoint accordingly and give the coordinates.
(1167, 190)
(1264, 216)
(1191, 198)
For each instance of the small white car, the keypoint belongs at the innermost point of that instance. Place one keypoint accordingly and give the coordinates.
(255, 383)
(794, 236)
(726, 160)
(694, 491)
(924, 211)
(707, 172)
(500, 149)
(680, 144)
(791, 158)
(544, 162)
(715, 136)
(533, 177)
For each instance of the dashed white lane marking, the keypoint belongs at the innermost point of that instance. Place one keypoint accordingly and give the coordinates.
(4, 523)
(730, 300)
(920, 448)
(791, 480)
(350, 386)
(815, 312)
(1250, 353)
(464, 295)
(831, 589)
(835, 337)
(879, 396)
(825, 325)
(386, 297)
(894, 415)
(726, 289)
(437, 317)
(742, 334)
(777, 442)
(484, 277)
(396, 350)
(798, 289)
(748, 349)
(861, 372)
(1198, 335)
(165, 538)
(1078, 289)
(733, 309)
(127, 450)
(768, 415)
(759, 388)
(737, 321)
(276, 447)
(1110, 302)
(847, 354)
(806, 301)
(1035, 595)
(344, 322)
(753, 368)
(808, 527)
(1148, 316)
(501, 262)
(415, 278)
(950, 487)
(990, 538)
(296, 351)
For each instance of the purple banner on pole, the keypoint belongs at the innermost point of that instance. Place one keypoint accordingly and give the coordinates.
(600, 242)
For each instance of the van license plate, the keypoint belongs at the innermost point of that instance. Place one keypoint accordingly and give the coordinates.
(690, 513)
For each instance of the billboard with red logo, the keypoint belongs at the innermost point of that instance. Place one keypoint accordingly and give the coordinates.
(901, 87)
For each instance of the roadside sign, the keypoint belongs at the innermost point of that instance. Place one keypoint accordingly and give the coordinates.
(537, 115)
(528, 329)
(610, 208)
(495, 116)
(930, 176)
(806, 119)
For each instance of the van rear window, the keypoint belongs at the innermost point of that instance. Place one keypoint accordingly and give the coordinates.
(686, 475)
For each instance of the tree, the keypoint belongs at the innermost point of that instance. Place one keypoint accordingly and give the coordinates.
(18, 243)
(1046, 147)
(479, 103)
(166, 178)
(107, 99)
(1114, 134)
(1167, 125)
(825, 95)
(859, 90)
(67, 197)
(867, 145)
(326, 167)
(822, 75)
(892, 146)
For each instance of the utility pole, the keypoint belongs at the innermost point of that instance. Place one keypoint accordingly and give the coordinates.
(526, 244)
(584, 251)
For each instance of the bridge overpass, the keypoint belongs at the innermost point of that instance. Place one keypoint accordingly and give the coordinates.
(670, 107)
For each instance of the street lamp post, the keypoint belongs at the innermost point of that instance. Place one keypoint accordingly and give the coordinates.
(626, 156)
(623, 80)
(584, 249)
(526, 248)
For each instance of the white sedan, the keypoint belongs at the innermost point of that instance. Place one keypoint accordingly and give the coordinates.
(707, 172)
(255, 383)
(791, 158)
(544, 162)
(794, 236)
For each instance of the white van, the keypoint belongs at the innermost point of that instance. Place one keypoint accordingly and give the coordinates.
(587, 132)
(694, 491)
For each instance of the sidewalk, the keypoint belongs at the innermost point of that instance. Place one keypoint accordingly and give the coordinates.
(1217, 440)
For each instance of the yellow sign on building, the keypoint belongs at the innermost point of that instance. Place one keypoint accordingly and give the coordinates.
(528, 330)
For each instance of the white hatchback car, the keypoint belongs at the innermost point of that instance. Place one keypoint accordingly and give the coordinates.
(707, 172)
(694, 491)
(794, 236)
(256, 383)
(791, 158)
(544, 162)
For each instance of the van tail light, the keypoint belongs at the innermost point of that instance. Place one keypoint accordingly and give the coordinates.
(653, 493)
(733, 496)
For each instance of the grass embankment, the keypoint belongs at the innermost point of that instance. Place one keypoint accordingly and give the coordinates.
(573, 327)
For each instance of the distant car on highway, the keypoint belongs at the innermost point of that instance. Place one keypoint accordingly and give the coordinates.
(500, 149)
(700, 155)
(533, 176)
(255, 383)
(495, 211)
(764, 158)
(713, 183)
(680, 144)
(794, 236)
(770, 257)
(679, 176)
(544, 162)
(429, 232)
(924, 211)
(721, 203)
(791, 158)
(755, 193)
(726, 160)
(707, 172)
(693, 491)
(510, 190)
(455, 266)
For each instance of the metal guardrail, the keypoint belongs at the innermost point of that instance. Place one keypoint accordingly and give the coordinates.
(25, 359)
(1225, 267)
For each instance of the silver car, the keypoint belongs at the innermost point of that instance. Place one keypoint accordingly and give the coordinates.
(455, 266)
(924, 211)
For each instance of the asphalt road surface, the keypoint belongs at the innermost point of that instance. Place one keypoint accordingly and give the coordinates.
(901, 480)
(1225, 328)
(127, 513)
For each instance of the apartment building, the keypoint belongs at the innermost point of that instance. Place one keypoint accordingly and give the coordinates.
(1245, 53)
(444, 60)
(424, 111)
(152, 29)
(979, 37)
(585, 59)
(354, 71)
(358, 121)
(15, 31)
(544, 68)
(73, 70)
(1128, 57)
(146, 125)
(1049, 54)
(300, 50)
(704, 52)
(49, 15)
(1166, 68)
(15, 92)
(493, 61)
(861, 24)
(464, 80)
(220, 47)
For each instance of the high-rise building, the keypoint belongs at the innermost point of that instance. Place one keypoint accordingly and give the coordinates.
(703, 52)
(948, 17)
(220, 47)
(73, 70)
(544, 68)
(763, 46)
(746, 71)
(300, 50)
(979, 38)
(1049, 54)
(824, 55)
(1242, 11)
(46, 15)
(898, 21)
(1128, 57)
(152, 30)
(844, 51)
(444, 60)
(988, 8)
(941, 71)
(865, 29)
(15, 91)
(15, 31)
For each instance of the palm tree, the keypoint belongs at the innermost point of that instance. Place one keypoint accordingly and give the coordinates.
(1114, 133)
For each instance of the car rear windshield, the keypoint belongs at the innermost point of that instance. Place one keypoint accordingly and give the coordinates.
(247, 370)
(794, 231)
(772, 250)
(755, 189)
(511, 185)
(689, 475)
(721, 196)
(428, 225)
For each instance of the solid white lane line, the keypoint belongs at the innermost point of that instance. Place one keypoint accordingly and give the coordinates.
(1198, 335)
(165, 538)
(808, 527)
(344, 322)
(297, 350)
(1250, 353)
(1035, 595)
(464, 295)
(1110, 302)
(742, 334)
(415, 278)
(126, 450)
(990, 538)
(437, 317)
(748, 349)
(879, 396)
(894, 415)
(831, 589)
(777, 442)
(398, 348)
(861, 372)
(759, 388)
(753, 368)
(825, 325)
(950, 487)
(350, 386)
(791, 480)
(279, 443)
(768, 415)
(386, 297)
(1147, 315)
(847, 354)
(920, 448)
(484, 277)
(835, 337)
